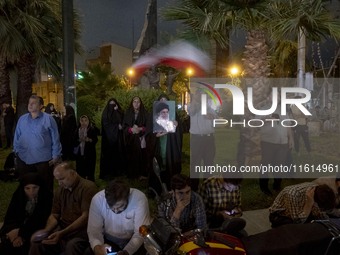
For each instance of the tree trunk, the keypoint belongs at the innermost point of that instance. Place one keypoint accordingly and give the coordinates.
(301, 62)
(26, 70)
(257, 69)
(222, 59)
(5, 89)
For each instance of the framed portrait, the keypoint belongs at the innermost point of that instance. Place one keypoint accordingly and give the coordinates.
(164, 117)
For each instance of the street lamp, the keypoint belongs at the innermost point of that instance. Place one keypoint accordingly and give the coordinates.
(130, 73)
(234, 70)
(190, 72)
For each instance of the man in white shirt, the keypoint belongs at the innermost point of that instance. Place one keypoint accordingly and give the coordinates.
(202, 140)
(115, 216)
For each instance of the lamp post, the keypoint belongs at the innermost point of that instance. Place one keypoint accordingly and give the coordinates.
(190, 72)
(68, 54)
(130, 73)
(234, 72)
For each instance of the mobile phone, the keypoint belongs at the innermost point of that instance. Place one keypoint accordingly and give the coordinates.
(40, 236)
(109, 251)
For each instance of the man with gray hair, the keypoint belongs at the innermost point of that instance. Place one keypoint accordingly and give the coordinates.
(65, 230)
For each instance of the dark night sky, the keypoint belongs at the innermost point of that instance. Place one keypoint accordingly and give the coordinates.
(121, 22)
(117, 21)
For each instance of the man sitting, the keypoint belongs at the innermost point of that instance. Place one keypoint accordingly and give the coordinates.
(116, 214)
(184, 208)
(222, 199)
(68, 220)
(301, 203)
(334, 183)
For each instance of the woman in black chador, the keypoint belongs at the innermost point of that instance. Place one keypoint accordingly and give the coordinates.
(68, 127)
(85, 150)
(112, 158)
(50, 109)
(134, 132)
(27, 212)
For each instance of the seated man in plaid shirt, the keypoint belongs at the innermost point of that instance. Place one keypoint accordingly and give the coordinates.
(184, 208)
(301, 203)
(222, 199)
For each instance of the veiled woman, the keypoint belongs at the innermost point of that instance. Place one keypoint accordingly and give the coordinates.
(112, 158)
(68, 128)
(27, 212)
(85, 151)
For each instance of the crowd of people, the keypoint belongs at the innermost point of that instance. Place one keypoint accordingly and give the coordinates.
(77, 218)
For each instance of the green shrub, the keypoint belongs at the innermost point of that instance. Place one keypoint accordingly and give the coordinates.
(89, 105)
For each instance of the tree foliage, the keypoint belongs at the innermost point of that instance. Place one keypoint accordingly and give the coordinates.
(31, 39)
(99, 81)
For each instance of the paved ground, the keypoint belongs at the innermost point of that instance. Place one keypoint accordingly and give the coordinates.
(257, 221)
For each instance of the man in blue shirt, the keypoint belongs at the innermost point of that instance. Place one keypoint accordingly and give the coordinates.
(36, 142)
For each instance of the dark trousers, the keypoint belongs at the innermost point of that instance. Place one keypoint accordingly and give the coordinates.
(202, 153)
(42, 168)
(75, 246)
(9, 137)
(278, 220)
(273, 154)
(301, 131)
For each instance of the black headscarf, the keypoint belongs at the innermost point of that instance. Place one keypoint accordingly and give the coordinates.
(48, 108)
(109, 112)
(142, 114)
(30, 178)
(163, 96)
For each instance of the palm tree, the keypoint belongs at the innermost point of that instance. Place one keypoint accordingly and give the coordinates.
(5, 91)
(10, 40)
(300, 20)
(214, 19)
(32, 39)
(262, 20)
(203, 28)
